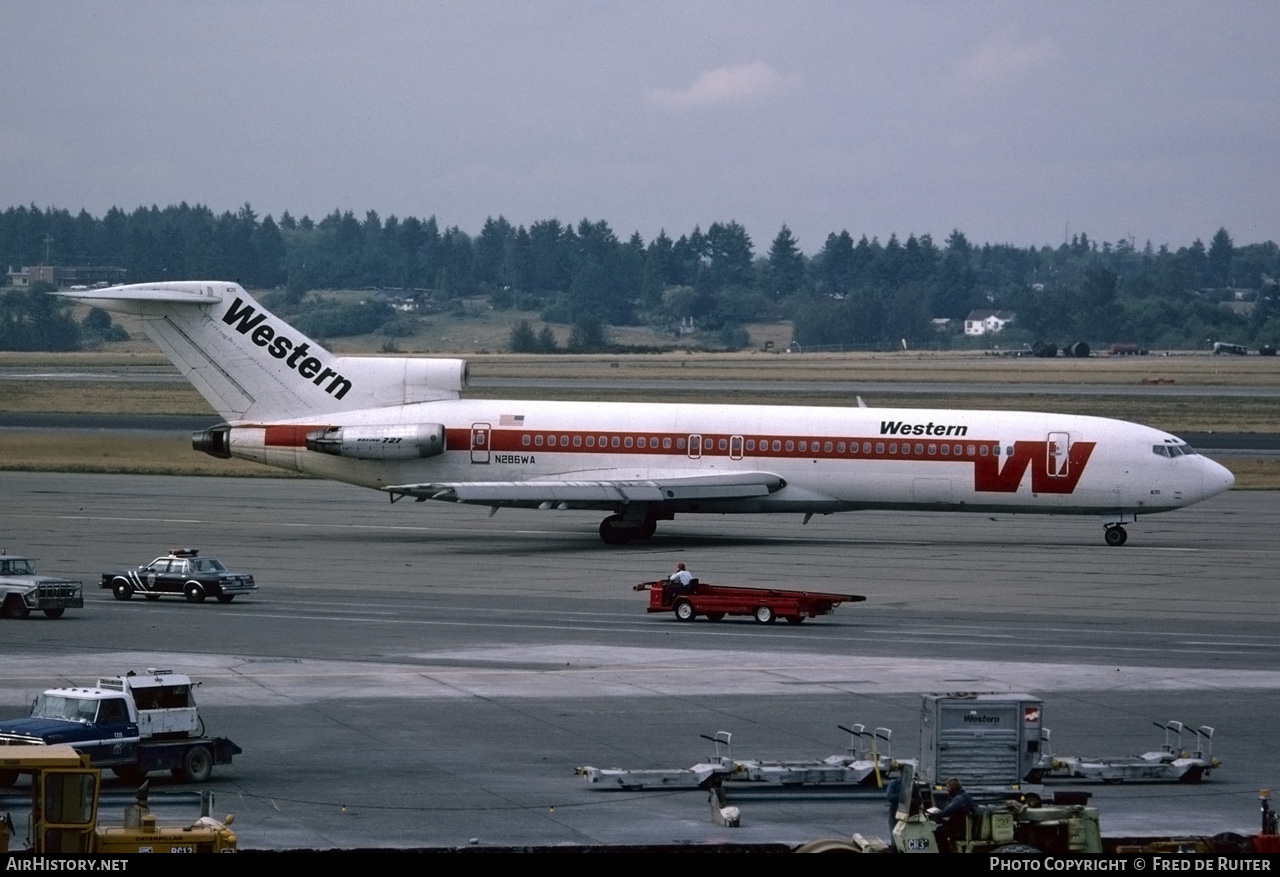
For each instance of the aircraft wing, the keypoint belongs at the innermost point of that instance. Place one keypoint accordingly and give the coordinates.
(652, 487)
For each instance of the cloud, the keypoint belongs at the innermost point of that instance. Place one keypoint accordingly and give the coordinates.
(735, 84)
(1003, 58)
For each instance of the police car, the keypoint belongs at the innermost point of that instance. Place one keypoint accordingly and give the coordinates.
(184, 572)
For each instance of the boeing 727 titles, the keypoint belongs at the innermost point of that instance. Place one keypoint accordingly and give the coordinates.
(399, 424)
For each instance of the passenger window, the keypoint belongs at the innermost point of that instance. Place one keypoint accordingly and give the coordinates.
(840, 447)
(615, 442)
(627, 442)
(723, 444)
(591, 441)
(826, 447)
(537, 440)
(666, 443)
(879, 447)
(777, 445)
(893, 448)
(791, 446)
(933, 450)
(866, 448)
(551, 441)
(804, 446)
(525, 440)
(577, 441)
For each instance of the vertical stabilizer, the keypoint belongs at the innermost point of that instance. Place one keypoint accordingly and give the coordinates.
(252, 366)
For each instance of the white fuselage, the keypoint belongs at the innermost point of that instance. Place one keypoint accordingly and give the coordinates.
(830, 459)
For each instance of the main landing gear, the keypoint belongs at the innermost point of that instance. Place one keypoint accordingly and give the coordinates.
(616, 530)
(1116, 535)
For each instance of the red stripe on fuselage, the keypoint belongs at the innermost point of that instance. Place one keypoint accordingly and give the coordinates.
(994, 472)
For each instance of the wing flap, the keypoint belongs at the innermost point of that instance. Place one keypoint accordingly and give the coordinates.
(659, 488)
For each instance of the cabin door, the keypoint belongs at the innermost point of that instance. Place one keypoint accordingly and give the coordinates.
(481, 434)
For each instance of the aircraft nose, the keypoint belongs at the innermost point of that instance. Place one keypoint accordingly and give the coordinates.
(1217, 478)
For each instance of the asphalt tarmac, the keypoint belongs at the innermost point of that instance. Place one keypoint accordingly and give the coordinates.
(422, 675)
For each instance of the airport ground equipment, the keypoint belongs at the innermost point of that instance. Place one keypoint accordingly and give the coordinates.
(863, 764)
(63, 818)
(133, 724)
(1170, 762)
(183, 573)
(22, 591)
(765, 605)
(989, 741)
(996, 826)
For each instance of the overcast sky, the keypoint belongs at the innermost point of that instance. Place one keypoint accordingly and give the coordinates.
(1015, 122)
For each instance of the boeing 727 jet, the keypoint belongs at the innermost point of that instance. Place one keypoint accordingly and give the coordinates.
(399, 425)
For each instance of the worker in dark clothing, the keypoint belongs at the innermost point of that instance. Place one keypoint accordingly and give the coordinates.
(893, 791)
(952, 818)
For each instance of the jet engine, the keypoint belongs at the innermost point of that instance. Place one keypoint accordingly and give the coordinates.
(399, 442)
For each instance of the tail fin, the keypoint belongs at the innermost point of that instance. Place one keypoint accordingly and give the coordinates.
(252, 366)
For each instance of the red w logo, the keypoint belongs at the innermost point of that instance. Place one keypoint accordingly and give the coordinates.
(1054, 468)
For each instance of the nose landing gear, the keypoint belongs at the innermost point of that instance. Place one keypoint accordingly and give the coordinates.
(1116, 535)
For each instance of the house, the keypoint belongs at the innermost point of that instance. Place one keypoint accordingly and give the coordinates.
(984, 322)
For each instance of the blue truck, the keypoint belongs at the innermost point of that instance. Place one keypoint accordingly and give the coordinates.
(133, 724)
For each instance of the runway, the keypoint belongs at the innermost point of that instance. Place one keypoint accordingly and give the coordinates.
(423, 675)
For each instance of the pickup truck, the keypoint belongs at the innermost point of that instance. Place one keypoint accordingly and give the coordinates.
(133, 724)
(23, 592)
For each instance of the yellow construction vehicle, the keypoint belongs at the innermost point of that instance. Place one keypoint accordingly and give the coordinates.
(64, 812)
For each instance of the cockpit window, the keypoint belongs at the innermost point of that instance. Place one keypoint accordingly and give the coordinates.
(1160, 450)
(1188, 450)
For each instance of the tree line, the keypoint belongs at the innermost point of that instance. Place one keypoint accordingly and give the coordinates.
(848, 292)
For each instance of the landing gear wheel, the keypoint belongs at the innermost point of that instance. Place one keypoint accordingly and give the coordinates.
(194, 593)
(647, 529)
(1116, 536)
(764, 615)
(121, 590)
(1017, 850)
(226, 598)
(795, 619)
(197, 765)
(684, 610)
(714, 616)
(611, 533)
(828, 845)
(55, 612)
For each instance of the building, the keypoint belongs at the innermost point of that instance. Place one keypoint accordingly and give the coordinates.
(63, 276)
(986, 322)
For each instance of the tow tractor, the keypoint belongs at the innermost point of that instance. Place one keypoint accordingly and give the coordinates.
(766, 605)
(1002, 826)
(64, 812)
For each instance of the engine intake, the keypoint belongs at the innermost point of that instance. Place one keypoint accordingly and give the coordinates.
(399, 442)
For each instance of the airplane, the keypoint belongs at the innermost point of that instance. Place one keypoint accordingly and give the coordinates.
(400, 425)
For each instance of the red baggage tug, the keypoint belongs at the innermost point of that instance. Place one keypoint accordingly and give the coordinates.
(766, 605)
